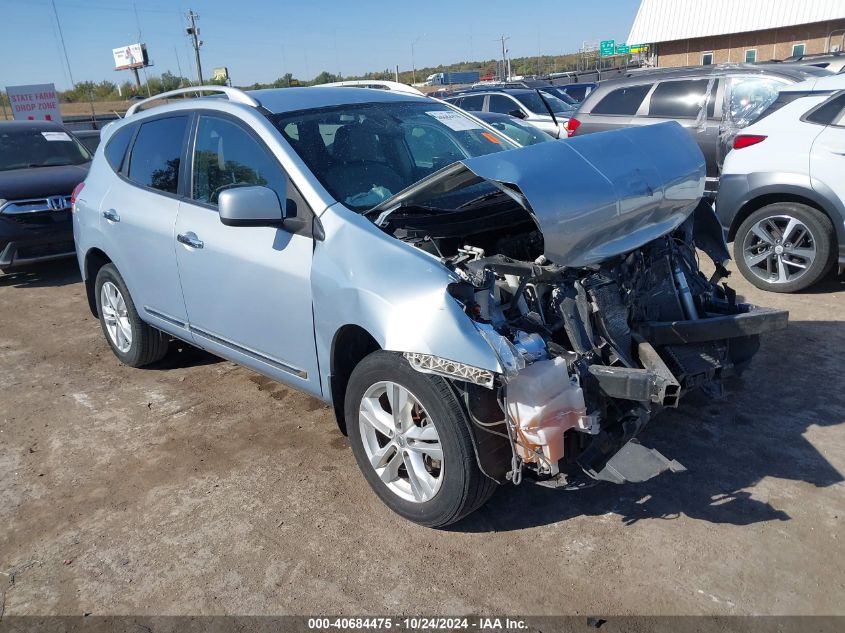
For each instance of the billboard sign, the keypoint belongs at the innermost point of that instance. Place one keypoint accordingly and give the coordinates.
(131, 56)
(37, 102)
(220, 74)
(607, 48)
(639, 48)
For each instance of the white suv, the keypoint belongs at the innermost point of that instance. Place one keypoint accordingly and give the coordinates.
(782, 192)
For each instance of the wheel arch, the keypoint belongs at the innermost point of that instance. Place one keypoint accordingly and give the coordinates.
(350, 345)
(818, 197)
(95, 259)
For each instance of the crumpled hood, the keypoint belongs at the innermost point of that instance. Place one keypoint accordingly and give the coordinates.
(593, 196)
(600, 195)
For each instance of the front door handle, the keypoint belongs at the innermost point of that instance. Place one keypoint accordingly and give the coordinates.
(111, 214)
(190, 239)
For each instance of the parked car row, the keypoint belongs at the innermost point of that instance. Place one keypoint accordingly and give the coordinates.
(715, 104)
(544, 111)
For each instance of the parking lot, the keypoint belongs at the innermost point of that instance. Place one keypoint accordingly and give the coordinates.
(199, 487)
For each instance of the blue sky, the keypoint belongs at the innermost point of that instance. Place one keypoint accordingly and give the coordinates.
(260, 40)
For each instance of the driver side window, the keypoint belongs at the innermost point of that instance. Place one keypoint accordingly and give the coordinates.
(226, 156)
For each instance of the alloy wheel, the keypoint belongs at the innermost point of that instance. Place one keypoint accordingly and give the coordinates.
(401, 442)
(779, 249)
(116, 316)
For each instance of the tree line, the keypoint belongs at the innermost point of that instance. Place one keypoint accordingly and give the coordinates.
(106, 90)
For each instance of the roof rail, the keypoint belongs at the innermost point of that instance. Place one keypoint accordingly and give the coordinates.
(234, 94)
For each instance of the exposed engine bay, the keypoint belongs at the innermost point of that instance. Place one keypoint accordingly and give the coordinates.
(591, 352)
(577, 262)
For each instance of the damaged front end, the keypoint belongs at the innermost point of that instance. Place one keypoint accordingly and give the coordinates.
(577, 262)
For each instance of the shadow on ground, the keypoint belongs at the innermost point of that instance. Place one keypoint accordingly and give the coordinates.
(728, 446)
(46, 275)
(182, 355)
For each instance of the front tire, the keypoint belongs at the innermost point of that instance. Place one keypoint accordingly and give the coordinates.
(134, 342)
(785, 247)
(419, 460)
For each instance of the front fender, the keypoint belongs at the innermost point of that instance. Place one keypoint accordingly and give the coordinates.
(362, 276)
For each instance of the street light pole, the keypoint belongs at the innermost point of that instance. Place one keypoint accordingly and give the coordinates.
(413, 63)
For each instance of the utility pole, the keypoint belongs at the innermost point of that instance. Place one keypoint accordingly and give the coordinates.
(194, 32)
(504, 39)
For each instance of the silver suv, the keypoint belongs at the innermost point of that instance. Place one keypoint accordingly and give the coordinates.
(709, 101)
(472, 316)
(544, 111)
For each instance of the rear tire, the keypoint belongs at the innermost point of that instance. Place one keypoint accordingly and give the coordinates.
(778, 262)
(134, 342)
(456, 486)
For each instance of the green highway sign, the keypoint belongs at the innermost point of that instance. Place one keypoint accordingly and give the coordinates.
(622, 49)
(607, 48)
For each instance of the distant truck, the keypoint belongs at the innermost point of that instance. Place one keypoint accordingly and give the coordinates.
(445, 79)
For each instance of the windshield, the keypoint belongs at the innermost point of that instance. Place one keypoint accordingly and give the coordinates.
(23, 148)
(534, 102)
(363, 154)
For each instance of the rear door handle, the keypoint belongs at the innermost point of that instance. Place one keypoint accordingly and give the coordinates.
(190, 239)
(111, 215)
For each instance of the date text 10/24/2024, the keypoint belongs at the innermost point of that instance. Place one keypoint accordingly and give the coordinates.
(416, 624)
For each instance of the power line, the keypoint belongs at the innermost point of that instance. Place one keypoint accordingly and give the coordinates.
(64, 48)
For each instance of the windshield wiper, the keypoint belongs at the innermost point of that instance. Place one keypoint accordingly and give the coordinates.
(481, 198)
(403, 206)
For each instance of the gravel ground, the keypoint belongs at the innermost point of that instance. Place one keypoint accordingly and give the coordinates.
(199, 487)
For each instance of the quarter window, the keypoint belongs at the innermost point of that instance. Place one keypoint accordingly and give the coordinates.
(156, 154)
(678, 99)
(750, 96)
(828, 112)
(117, 146)
(622, 100)
(227, 156)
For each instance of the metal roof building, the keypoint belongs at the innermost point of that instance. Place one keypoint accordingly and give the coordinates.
(683, 32)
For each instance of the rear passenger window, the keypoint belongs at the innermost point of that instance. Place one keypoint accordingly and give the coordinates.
(227, 156)
(678, 99)
(501, 104)
(622, 100)
(474, 103)
(155, 157)
(117, 145)
(828, 112)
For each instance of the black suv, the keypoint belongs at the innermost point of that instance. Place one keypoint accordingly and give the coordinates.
(40, 165)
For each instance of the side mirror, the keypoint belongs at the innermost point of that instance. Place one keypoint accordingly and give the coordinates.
(518, 114)
(250, 206)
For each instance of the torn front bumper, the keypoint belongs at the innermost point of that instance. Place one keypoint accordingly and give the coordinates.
(698, 354)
